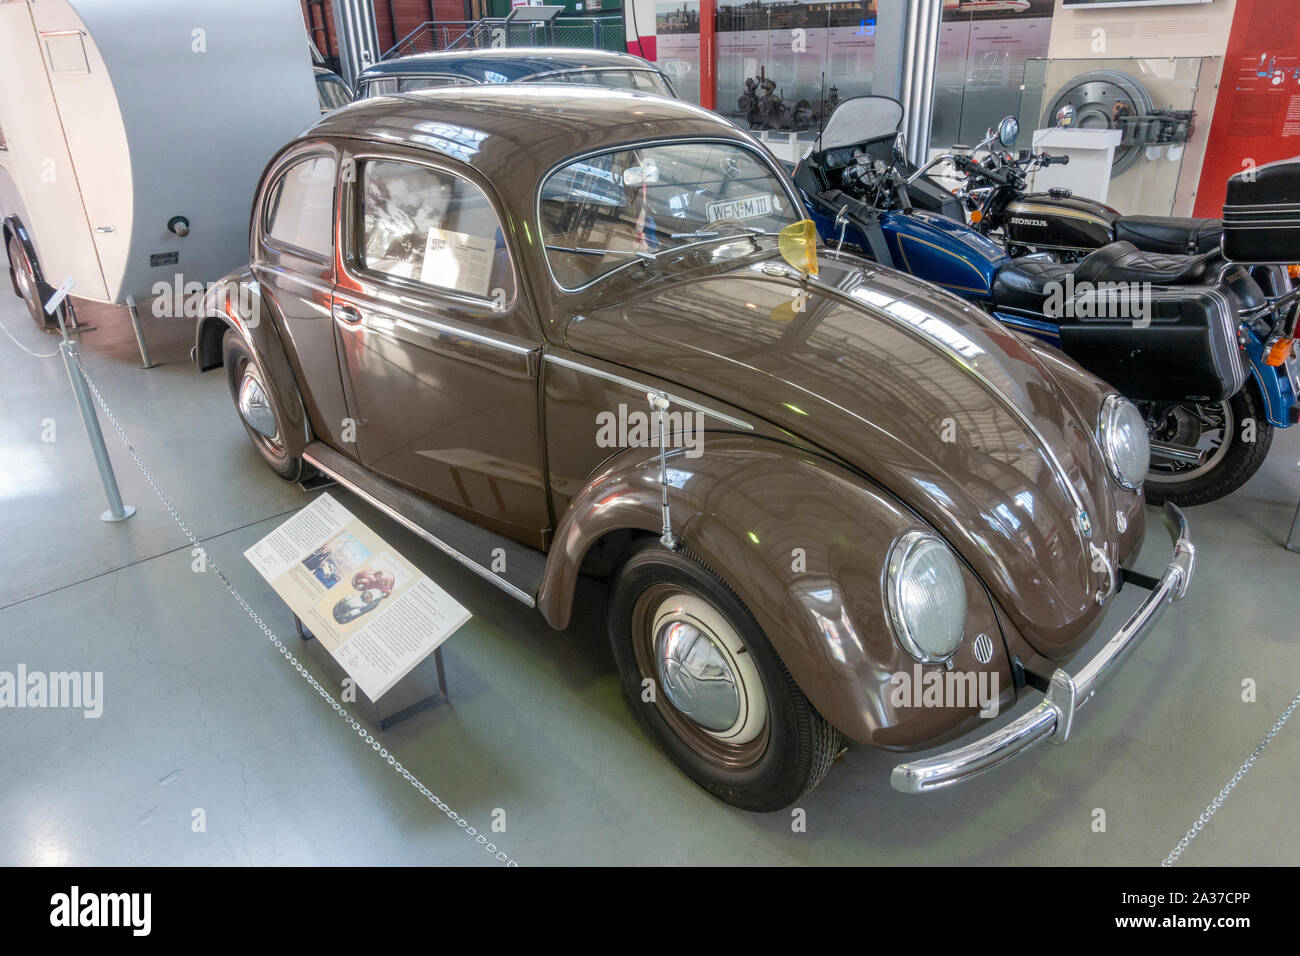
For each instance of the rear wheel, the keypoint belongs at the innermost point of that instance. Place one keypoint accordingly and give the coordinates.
(1234, 436)
(704, 680)
(23, 273)
(257, 407)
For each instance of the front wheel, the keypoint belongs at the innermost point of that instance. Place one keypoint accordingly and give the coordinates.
(704, 680)
(1234, 436)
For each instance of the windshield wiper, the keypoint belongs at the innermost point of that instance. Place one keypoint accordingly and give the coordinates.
(588, 251)
(714, 234)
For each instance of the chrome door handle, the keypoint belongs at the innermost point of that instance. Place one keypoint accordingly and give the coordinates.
(345, 313)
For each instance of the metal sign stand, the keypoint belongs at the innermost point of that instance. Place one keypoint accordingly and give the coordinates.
(59, 306)
(410, 695)
(1293, 539)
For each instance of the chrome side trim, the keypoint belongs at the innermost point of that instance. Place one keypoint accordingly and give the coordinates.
(430, 325)
(488, 575)
(643, 388)
(1067, 693)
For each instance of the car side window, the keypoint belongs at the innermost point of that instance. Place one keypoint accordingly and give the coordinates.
(300, 207)
(381, 87)
(431, 227)
(426, 82)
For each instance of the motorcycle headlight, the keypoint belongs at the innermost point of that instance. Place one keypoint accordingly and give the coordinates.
(926, 596)
(1122, 434)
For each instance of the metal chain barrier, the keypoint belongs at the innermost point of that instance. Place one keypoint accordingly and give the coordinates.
(1217, 802)
(6, 331)
(287, 654)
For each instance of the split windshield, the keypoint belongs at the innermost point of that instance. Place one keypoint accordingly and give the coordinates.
(602, 212)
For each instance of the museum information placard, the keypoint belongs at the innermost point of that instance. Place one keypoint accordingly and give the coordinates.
(370, 607)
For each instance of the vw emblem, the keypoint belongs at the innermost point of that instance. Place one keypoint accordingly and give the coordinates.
(1085, 524)
(983, 649)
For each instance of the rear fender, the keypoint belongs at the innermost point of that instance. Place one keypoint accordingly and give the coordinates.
(236, 302)
(803, 543)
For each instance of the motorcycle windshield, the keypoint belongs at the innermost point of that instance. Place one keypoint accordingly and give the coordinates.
(860, 119)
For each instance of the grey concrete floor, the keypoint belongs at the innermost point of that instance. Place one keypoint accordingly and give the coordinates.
(201, 713)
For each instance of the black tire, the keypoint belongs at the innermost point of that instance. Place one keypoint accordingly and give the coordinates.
(1233, 469)
(23, 275)
(796, 746)
(237, 360)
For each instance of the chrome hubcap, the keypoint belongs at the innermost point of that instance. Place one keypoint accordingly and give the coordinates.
(255, 408)
(705, 670)
(696, 676)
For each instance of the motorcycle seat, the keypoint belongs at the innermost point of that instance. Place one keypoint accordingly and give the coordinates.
(1124, 262)
(1023, 283)
(1170, 233)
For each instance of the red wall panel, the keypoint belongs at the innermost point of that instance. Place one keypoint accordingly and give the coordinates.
(1257, 111)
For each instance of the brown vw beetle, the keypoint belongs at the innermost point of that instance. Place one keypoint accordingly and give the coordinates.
(475, 307)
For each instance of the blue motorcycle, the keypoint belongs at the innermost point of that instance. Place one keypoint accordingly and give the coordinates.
(1204, 346)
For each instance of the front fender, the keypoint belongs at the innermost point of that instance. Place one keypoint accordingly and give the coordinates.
(1274, 386)
(235, 302)
(803, 543)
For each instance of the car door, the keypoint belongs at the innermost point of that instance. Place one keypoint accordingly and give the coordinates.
(293, 261)
(439, 345)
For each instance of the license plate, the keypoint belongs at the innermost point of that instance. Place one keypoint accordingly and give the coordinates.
(746, 207)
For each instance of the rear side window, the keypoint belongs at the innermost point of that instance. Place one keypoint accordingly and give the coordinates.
(429, 226)
(427, 82)
(300, 209)
(646, 81)
(380, 87)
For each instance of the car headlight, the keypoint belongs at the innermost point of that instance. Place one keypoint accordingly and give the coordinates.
(926, 596)
(1122, 434)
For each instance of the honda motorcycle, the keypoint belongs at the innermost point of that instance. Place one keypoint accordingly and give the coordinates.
(996, 202)
(1205, 351)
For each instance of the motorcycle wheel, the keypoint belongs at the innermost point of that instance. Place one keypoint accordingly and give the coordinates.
(1235, 435)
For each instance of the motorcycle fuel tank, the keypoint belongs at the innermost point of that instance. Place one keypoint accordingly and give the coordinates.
(1041, 221)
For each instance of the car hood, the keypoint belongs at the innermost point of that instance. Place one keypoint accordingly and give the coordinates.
(923, 393)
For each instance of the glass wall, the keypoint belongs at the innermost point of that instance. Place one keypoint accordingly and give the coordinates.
(677, 26)
(1148, 100)
(777, 62)
(983, 48)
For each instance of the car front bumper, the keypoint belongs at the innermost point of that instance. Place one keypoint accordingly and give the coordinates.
(1067, 693)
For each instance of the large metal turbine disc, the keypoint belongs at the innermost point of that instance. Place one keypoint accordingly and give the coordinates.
(1099, 98)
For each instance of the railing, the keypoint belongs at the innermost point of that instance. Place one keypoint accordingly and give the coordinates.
(591, 33)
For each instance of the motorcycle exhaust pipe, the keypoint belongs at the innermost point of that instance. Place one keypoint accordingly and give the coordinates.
(1177, 453)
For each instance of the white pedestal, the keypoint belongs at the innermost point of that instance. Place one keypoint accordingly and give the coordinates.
(1091, 152)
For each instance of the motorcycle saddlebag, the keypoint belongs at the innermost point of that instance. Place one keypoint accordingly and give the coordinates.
(1261, 214)
(1188, 350)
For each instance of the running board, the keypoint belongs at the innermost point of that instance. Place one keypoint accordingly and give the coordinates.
(449, 533)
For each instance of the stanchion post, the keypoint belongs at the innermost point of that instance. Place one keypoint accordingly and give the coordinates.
(145, 360)
(1293, 539)
(116, 510)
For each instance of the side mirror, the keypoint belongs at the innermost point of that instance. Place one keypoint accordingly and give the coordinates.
(1008, 131)
(798, 245)
(900, 148)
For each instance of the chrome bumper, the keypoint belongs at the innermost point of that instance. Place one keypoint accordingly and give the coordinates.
(1053, 718)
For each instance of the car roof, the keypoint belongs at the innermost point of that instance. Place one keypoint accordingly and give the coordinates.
(513, 64)
(506, 130)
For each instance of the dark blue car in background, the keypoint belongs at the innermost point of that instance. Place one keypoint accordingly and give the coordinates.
(518, 65)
